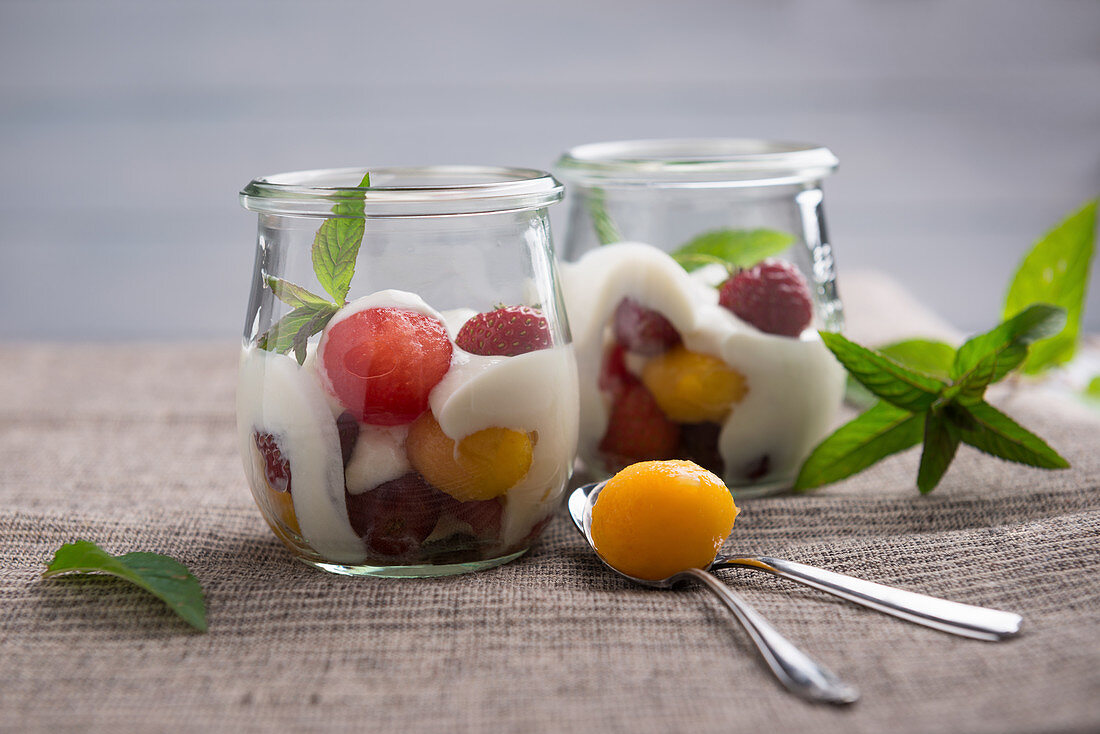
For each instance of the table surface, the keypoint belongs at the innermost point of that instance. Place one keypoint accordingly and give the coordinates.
(133, 447)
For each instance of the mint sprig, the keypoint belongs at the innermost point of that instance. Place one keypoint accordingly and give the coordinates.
(606, 230)
(731, 248)
(163, 577)
(1056, 271)
(933, 358)
(334, 252)
(916, 407)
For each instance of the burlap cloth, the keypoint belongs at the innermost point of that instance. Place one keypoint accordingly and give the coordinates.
(133, 446)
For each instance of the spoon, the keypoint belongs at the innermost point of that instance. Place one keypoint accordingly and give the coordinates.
(978, 623)
(796, 670)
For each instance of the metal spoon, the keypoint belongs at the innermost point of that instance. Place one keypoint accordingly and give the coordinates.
(966, 620)
(799, 673)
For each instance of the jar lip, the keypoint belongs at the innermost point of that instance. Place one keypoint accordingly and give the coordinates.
(695, 162)
(410, 191)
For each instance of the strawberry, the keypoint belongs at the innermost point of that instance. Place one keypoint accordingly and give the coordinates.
(276, 466)
(614, 376)
(637, 430)
(772, 296)
(505, 331)
(643, 330)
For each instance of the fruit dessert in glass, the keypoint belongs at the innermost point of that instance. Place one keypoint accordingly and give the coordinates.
(382, 436)
(701, 274)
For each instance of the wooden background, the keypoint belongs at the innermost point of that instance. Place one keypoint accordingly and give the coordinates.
(964, 129)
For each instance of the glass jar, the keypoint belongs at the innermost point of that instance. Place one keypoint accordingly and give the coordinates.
(407, 398)
(700, 272)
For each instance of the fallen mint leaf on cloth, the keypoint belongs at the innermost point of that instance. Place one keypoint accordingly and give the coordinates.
(942, 412)
(732, 248)
(1056, 271)
(163, 577)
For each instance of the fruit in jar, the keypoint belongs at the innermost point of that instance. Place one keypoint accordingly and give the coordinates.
(383, 362)
(699, 443)
(483, 465)
(637, 429)
(643, 330)
(483, 516)
(276, 498)
(657, 518)
(348, 429)
(691, 387)
(614, 376)
(395, 517)
(772, 296)
(507, 331)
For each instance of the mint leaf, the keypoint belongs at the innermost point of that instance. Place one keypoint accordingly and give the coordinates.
(929, 356)
(884, 377)
(988, 357)
(606, 231)
(995, 433)
(293, 295)
(733, 248)
(336, 246)
(294, 329)
(879, 432)
(167, 579)
(1093, 388)
(941, 441)
(1056, 271)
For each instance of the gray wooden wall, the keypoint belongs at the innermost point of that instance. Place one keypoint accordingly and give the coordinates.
(127, 128)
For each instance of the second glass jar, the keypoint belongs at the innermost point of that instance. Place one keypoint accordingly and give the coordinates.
(699, 273)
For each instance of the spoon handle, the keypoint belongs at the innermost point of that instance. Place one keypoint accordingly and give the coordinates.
(794, 669)
(947, 616)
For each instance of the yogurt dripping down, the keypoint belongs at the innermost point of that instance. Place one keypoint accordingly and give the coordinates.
(534, 392)
(795, 385)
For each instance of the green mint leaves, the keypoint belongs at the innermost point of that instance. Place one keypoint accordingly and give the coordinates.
(1056, 271)
(336, 246)
(167, 579)
(731, 248)
(606, 230)
(335, 250)
(941, 411)
(879, 432)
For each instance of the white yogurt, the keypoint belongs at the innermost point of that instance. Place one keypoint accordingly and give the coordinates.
(378, 457)
(276, 396)
(533, 392)
(794, 385)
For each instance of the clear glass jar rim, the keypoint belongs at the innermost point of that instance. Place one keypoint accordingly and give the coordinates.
(695, 162)
(411, 191)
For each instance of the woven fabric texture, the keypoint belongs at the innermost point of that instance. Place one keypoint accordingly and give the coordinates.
(133, 447)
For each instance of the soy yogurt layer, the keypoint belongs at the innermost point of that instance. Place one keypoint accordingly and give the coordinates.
(533, 395)
(792, 386)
